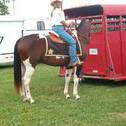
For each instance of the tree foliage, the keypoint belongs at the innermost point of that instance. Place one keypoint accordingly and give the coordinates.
(4, 7)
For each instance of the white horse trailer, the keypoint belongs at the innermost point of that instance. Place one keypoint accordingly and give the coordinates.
(10, 31)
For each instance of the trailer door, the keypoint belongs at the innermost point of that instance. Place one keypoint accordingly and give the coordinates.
(95, 63)
(115, 44)
(123, 39)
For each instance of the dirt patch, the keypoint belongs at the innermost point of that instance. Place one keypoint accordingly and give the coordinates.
(118, 115)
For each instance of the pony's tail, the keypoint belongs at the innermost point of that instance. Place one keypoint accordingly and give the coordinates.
(17, 68)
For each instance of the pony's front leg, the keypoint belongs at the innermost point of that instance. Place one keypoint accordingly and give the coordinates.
(76, 84)
(67, 81)
(29, 70)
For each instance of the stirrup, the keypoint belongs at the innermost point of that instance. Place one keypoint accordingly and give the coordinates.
(79, 62)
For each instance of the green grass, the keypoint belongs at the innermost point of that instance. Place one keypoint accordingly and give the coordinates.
(102, 103)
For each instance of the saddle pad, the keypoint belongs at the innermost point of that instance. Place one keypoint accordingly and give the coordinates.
(59, 49)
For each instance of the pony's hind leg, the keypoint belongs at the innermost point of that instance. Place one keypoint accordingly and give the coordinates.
(29, 70)
(76, 84)
(67, 81)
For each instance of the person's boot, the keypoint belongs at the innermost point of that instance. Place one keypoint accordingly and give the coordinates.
(79, 62)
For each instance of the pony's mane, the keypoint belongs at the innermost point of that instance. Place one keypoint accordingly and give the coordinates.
(83, 30)
(80, 25)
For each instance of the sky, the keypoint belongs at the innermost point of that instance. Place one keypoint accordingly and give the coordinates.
(42, 8)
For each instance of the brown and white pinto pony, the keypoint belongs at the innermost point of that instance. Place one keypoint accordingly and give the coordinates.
(30, 50)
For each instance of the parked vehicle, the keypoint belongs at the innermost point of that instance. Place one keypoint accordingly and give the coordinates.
(10, 31)
(12, 28)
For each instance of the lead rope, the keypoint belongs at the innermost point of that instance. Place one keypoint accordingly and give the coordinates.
(76, 37)
(112, 68)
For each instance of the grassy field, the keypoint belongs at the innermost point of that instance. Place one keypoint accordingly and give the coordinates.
(102, 103)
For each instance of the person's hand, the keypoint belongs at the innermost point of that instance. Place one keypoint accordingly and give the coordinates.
(71, 24)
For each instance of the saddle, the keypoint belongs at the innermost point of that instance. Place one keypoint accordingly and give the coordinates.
(55, 46)
(55, 37)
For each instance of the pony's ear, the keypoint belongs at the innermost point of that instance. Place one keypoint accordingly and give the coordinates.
(83, 20)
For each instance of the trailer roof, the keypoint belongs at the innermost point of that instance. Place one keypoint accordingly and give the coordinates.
(93, 10)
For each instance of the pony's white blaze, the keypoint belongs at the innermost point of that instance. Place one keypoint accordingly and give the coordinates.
(29, 70)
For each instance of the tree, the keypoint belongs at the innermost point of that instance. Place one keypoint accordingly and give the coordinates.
(3, 7)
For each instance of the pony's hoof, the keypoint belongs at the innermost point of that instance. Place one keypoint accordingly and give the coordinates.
(31, 101)
(25, 99)
(77, 97)
(67, 96)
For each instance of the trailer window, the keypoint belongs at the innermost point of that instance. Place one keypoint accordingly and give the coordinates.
(96, 24)
(113, 23)
(40, 25)
(123, 23)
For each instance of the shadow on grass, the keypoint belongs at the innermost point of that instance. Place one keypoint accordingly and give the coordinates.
(6, 66)
(101, 82)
